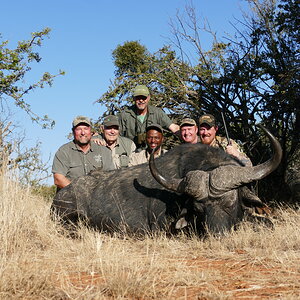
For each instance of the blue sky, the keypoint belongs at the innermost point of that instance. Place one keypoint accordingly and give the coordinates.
(84, 34)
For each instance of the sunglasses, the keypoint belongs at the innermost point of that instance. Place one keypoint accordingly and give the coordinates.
(140, 98)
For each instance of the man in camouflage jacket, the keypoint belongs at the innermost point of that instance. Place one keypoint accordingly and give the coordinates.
(207, 132)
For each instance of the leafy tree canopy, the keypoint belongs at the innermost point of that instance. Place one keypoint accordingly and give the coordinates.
(14, 65)
(130, 58)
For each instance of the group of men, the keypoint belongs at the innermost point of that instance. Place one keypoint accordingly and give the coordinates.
(128, 139)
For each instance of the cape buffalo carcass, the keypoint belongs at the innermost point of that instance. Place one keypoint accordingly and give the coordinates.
(196, 185)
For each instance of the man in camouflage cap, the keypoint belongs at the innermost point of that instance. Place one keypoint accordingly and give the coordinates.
(80, 156)
(135, 119)
(207, 131)
(154, 139)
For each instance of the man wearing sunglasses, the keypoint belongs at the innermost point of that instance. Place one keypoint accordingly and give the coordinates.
(135, 119)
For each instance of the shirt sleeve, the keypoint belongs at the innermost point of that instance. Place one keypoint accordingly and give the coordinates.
(132, 160)
(121, 123)
(136, 159)
(60, 162)
(133, 147)
(107, 159)
(164, 119)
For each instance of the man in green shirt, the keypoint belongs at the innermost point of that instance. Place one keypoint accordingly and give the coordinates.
(80, 156)
(135, 119)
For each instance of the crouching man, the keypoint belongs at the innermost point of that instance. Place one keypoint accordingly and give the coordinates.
(154, 139)
(80, 156)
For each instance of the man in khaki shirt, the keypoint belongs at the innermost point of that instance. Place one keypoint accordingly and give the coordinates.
(121, 148)
(80, 156)
(154, 139)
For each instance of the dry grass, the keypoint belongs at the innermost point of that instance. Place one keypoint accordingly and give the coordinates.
(37, 262)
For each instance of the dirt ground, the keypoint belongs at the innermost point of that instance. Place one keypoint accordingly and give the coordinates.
(241, 279)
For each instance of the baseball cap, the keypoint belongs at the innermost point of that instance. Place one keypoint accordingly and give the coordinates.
(111, 120)
(207, 119)
(141, 90)
(81, 119)
(154, 126)
(188, 121)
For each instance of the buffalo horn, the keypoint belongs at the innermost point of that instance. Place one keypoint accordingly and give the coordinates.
(226, 178)
(264, 169)
(169, 183)
(241, 175)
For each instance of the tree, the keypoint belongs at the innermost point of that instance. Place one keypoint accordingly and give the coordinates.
(130, 58)
(265, 66)
(251, 77)
(15, 156)
(14, 65)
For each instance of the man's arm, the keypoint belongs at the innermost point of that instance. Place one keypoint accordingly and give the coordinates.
(164, 120)
(132, 148)
(175, 129)
(60, 167)
(121, 117)
(60, 180)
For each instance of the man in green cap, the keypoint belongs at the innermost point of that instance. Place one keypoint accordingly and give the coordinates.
(135, 119)
(80, 156)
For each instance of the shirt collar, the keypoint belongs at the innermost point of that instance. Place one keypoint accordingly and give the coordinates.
(76, 147)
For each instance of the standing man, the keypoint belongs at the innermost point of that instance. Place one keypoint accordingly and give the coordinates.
(208, 130)
(135, 119)
(154, 139)
(120, 147)
(189, 131)
(80, 156)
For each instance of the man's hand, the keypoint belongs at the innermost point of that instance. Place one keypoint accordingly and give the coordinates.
(99, 141)
(60, 180)
(232, 151)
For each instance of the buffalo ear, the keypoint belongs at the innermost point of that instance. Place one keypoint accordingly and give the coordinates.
(181, 223)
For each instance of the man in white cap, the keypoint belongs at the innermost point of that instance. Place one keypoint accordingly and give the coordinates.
(80, 156)
(135, 119)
